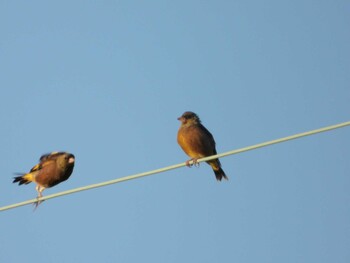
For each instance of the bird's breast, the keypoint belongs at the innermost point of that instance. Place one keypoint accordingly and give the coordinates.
(190, 140)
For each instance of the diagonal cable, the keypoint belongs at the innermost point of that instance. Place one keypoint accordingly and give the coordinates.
(171, 167)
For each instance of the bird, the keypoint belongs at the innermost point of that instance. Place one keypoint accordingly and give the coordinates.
(52, 169)
(197, 142)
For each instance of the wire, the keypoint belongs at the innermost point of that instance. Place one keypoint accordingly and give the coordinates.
(171, 167)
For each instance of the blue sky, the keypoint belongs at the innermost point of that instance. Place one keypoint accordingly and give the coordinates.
(106, 81)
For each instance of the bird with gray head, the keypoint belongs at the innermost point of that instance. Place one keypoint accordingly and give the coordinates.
(197, 142)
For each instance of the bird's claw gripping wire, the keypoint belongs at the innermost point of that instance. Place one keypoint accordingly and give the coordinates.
(194, 162)
(37, 203)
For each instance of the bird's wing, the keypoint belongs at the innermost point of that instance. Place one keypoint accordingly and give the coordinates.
(42, 164)
(210, 137)
(46, 160)
(36, 168)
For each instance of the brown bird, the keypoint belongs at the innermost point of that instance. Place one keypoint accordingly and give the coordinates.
(52, 169)
(197, 142)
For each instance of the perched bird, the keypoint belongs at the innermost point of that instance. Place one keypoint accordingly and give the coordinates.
(197, 142)
(52, 169)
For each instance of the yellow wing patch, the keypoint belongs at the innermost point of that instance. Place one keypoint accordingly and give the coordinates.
(36, 168)
(41, 165)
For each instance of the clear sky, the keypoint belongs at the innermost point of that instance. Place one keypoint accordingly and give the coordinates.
(106, 80)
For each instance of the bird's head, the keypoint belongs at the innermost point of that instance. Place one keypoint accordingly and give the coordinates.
(189, 117)
(65, 159)
(70, 158)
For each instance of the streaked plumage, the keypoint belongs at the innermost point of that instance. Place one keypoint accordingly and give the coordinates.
(197, 142)
(52, 169)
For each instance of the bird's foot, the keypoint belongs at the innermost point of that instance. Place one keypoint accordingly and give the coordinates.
(194, 162)
(37, 203)
(188, 164)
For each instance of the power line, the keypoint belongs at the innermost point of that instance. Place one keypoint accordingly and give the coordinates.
(171, 167)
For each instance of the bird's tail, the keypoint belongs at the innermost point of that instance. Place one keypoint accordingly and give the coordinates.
(23, 179)
(219, 173)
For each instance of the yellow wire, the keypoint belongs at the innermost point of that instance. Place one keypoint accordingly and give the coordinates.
(139, 175)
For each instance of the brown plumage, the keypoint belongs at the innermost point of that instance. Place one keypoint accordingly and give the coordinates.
(197, 142)
(52, 169)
